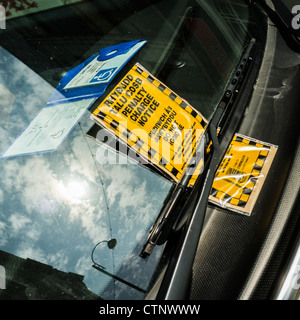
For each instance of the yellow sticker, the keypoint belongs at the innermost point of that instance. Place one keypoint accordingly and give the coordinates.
(154, 121)
(241, 174)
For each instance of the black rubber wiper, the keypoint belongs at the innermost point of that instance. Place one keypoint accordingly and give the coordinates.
(162, 226)
(175, 283)
(283, 18)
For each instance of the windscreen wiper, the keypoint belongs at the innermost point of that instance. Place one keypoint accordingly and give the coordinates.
(162, 226)
(284, 19)
(176, 280)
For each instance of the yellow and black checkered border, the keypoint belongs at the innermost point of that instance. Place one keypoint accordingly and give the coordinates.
(171, 94)
(243, 196)
(134, 141)
(247, 197)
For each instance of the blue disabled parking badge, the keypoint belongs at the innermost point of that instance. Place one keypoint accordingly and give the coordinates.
(75, 93)
(91, 78)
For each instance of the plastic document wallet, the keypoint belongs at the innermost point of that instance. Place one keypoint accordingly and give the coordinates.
(154, 121)
(242, 173)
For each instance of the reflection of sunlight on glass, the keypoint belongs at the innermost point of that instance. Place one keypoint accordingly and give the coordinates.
(73, 191)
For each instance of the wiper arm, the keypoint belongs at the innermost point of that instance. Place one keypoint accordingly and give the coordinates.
(282, 17)
(162, 226)
(176, 280)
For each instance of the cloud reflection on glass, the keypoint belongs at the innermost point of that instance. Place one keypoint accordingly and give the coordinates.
(55, 207)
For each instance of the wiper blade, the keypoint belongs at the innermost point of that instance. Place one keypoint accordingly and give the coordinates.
(159, 229)
(162, 226)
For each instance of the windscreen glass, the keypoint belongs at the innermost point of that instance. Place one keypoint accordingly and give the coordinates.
(73, 221)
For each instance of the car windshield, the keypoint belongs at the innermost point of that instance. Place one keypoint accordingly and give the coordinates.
(63, 212)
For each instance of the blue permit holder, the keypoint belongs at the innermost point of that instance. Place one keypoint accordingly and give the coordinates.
(91, 78)
(75, 93)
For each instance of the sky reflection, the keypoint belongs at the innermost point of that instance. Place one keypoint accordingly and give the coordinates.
(55, 207)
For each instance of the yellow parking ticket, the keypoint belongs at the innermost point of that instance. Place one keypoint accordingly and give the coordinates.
(242, 173)
(154, 121)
